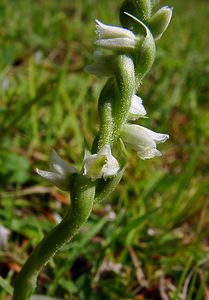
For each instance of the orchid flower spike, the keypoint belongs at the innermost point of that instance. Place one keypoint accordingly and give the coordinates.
(114, 37)
(103, 164)
(143, 140)
(137, 109)
(59, 172)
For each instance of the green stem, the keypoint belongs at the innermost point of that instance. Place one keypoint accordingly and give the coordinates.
(105, 105)
(125, 89)
(83, 193)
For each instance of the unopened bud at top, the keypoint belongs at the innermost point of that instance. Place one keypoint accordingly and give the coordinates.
(160, 21)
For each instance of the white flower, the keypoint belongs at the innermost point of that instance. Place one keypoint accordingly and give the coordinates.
(103, 164)
(58, 173)
(136, 110)
(143, 140)
(115, 38)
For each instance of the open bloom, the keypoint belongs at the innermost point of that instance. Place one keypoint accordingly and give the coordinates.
(58, 173)
(143, 140)
(102, 164)
(115, 38)
(137, 109)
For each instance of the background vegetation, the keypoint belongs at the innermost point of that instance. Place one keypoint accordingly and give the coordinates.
(150, 241)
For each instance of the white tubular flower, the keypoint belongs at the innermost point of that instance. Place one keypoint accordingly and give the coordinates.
(103, 164)
(115, 38)
(143, 140)
(102, 65)
(58, 173)
(136, 110)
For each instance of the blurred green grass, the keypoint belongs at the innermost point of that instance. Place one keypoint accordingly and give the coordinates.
(154, 230)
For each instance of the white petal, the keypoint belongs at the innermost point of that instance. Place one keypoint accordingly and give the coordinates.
(116, 43)
(111, 168)
(105, 150)
(61, 181)
(137, 109)
(59, 165)
(107, 31)
(148, 153)
(136, 137)
(157, 137)
(93, 166)
(51, 176)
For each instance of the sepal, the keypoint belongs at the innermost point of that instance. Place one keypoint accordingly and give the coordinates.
(59, 172)
(137, 109)
(114, 38)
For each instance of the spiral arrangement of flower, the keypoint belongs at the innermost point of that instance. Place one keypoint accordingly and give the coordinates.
(131, 54)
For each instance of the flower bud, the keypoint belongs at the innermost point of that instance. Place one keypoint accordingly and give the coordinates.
(160, 21)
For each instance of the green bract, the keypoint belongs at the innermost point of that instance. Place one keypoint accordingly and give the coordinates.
(141, 9)
(160, 21)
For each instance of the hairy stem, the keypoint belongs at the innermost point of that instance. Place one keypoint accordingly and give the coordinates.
(125, 89)
(105, 105)
(81, 206)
